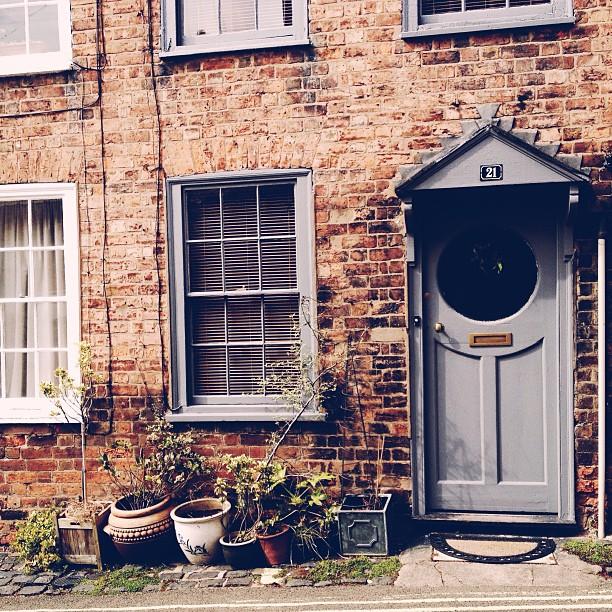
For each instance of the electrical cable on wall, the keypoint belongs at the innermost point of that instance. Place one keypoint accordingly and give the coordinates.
(158, 198)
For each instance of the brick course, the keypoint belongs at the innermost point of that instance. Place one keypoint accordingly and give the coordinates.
(354, 106)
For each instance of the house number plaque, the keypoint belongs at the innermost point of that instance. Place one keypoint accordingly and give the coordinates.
(492, 172)
(477, 340)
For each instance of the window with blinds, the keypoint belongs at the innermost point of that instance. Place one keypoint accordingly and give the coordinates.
(427, 17)
(245, 270)
(211, 25)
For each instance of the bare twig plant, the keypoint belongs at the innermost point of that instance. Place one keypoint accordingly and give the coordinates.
(307, 378)
(73, 400)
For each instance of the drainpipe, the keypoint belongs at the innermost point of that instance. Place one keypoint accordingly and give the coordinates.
(601, 380)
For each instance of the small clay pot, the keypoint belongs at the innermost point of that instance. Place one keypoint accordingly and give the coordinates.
(276, 548)
(142, 535)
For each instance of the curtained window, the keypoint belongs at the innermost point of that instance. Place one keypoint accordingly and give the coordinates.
(34, 309)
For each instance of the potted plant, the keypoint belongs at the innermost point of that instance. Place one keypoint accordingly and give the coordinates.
(199, 525)
(79, 526)
(273, 530)
(239, 482)
(363, 519)
(149, 481)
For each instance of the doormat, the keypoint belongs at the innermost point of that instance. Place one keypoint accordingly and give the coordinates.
(491, 549)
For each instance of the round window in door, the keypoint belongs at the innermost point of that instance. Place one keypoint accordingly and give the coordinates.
(487, 273)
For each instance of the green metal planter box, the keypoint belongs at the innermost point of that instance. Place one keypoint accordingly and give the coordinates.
(364, 531)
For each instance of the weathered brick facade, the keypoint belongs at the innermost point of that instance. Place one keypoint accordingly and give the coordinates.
(353, 107)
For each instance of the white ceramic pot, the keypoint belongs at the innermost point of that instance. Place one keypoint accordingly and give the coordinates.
(199, 524)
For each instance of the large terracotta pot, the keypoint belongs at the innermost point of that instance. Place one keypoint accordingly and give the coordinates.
(142, 535)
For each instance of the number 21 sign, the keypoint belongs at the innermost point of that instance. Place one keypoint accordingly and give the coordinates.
(492, 172)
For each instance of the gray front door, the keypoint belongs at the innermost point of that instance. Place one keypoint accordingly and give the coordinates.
(491, 352)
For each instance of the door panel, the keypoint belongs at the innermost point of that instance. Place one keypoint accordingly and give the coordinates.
(521, 414)
(459, 441)
(491, 412)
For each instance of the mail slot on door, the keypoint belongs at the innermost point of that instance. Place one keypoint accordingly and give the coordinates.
(478, 340)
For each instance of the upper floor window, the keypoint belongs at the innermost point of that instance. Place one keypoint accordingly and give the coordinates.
(34, 36)
(429, 17)
(201, 26)
(39, 295)
(242, 264)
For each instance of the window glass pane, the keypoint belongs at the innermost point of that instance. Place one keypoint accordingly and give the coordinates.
(282, 368)
(245, 370)
(209, 371)
(273, 14)
(48, 362)
(436, 7)
(20, 375)
(12, 31)
(47, 223)
(281, 317)
(49, 274)
(44, 28)
(278, 264)
(13, 223)
(240, 212)
(208, 320)
(205, 267)
(18, 325)
(13, 274)
(244, 319)
(237, 15)
(527, 2)
(487, 273)
(241, 265)
(276, 210)
(51, 324)
(479, 5)
(200, 18)
(203, 214)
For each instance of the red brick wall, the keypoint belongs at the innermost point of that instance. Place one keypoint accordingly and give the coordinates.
(353, 107)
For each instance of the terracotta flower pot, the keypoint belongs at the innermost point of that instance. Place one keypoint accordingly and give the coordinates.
(199, 525)
(276, 547)
(142, 535)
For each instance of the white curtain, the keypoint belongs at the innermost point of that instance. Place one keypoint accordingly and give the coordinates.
(28, 325)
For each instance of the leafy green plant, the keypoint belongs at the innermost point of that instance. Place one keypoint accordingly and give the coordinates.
(591, 551)
(35, 541)
(73, 400)
(166, 465)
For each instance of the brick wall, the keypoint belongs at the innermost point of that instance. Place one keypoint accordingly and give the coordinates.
(353, 107)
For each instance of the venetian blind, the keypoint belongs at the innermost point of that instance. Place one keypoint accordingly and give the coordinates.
(438, 7)
(215, 17)
(242, 293)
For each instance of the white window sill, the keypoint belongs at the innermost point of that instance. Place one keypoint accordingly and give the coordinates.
(17, 69)
(459, 27)
(200, 414)
(247, 45)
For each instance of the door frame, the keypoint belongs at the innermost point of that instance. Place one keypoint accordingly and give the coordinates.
(566, 356)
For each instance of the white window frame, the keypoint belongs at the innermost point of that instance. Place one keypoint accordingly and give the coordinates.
(416, 25)
(235, 407)
(33, 63)
(171, 46)
(39, 410)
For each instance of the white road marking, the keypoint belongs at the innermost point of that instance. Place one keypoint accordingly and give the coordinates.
(580, 602)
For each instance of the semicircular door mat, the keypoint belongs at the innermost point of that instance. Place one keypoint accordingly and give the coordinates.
(491, 549)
